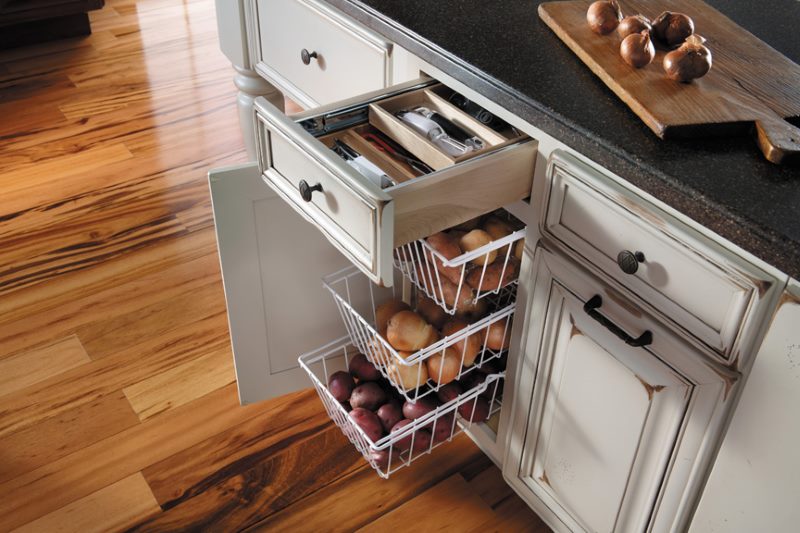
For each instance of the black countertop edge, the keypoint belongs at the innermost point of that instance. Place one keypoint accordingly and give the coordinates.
(771, 247)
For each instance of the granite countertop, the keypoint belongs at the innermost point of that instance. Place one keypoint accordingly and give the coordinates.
(505, 52)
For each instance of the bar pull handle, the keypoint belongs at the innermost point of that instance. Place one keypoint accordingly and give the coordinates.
(591, 308)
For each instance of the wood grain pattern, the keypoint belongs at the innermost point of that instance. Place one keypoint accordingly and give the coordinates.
(79, 474)
(59, 436)
(30, 367)
(447, 506)
(107, 242)
(112, 508)
(749, 81)
(181, 384)
(339, 498)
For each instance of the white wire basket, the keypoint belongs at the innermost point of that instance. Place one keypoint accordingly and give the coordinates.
(458, 282)
(422, 372)
(419, 437)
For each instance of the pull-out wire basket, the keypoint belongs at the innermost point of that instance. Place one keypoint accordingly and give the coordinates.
(424, 371)
(459, 282)
(419, 437)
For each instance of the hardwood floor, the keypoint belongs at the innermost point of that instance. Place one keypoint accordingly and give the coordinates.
(118, 406)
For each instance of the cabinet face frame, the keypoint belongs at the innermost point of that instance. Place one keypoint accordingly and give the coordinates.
(712, 387)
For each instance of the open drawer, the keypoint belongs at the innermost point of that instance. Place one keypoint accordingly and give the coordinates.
(367, 222)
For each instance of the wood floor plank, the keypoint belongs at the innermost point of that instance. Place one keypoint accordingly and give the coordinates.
(113, 508)
(371, 495)
(447, 506)
(92, 380)
(273, 483)
(54, 485)
(181, 384)
(193, 470)
(59, 436)
(38, 364)
(108, 335)
(118, 286)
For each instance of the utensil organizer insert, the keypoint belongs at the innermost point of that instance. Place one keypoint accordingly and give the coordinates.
(399, 449)
(357, 299)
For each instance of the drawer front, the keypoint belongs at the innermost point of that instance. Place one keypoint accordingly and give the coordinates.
(679, 275)
(350, 60)
(349, 211)
(362, 220)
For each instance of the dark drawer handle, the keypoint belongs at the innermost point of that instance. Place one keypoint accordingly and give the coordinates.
(629, 261)
(307, 56)
(307, 190)
(591, 308)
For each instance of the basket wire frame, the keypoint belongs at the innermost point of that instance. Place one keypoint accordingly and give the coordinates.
(356, 297)
(387, 455)
(423, 266)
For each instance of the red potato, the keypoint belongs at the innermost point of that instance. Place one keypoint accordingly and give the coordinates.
(421, 438)
(450, 392)
(443, 428)
(368, 421)
(341, 385)
(389, 414)
(361, 368)
(474, 379)
(418, 409)
(368, 395)
(381, 459)
(476, 410)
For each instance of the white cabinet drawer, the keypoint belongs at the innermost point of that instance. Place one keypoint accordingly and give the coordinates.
(362, 220)
(680, 273)
(349, 58)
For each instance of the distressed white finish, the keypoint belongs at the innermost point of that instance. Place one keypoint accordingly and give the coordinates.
(603, 434)
(359, 217)
(350, 59)
(232, 31)
(755, 483)
(272, 262)
(714, 296)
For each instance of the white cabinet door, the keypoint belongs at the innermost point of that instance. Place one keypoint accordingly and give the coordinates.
(612, 434)
(754, 483)
(272, 264)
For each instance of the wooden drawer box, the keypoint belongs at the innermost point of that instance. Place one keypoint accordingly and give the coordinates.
(683, 275)
(364, 221)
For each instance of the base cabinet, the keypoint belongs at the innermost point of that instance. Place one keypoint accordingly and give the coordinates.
(754, 483)
(613, 436)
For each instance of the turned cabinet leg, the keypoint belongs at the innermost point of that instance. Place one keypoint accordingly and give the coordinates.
(251, 85)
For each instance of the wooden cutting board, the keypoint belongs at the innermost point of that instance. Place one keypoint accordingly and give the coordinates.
(750, 82)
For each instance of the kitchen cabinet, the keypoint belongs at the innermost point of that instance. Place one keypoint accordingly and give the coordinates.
(753, 485)
(596, 432)
(611, 410)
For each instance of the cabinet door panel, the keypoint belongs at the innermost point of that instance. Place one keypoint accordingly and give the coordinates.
(604, 436)
(272, 264)
(606, 425)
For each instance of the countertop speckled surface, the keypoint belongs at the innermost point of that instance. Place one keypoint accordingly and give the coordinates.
(503, 51)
